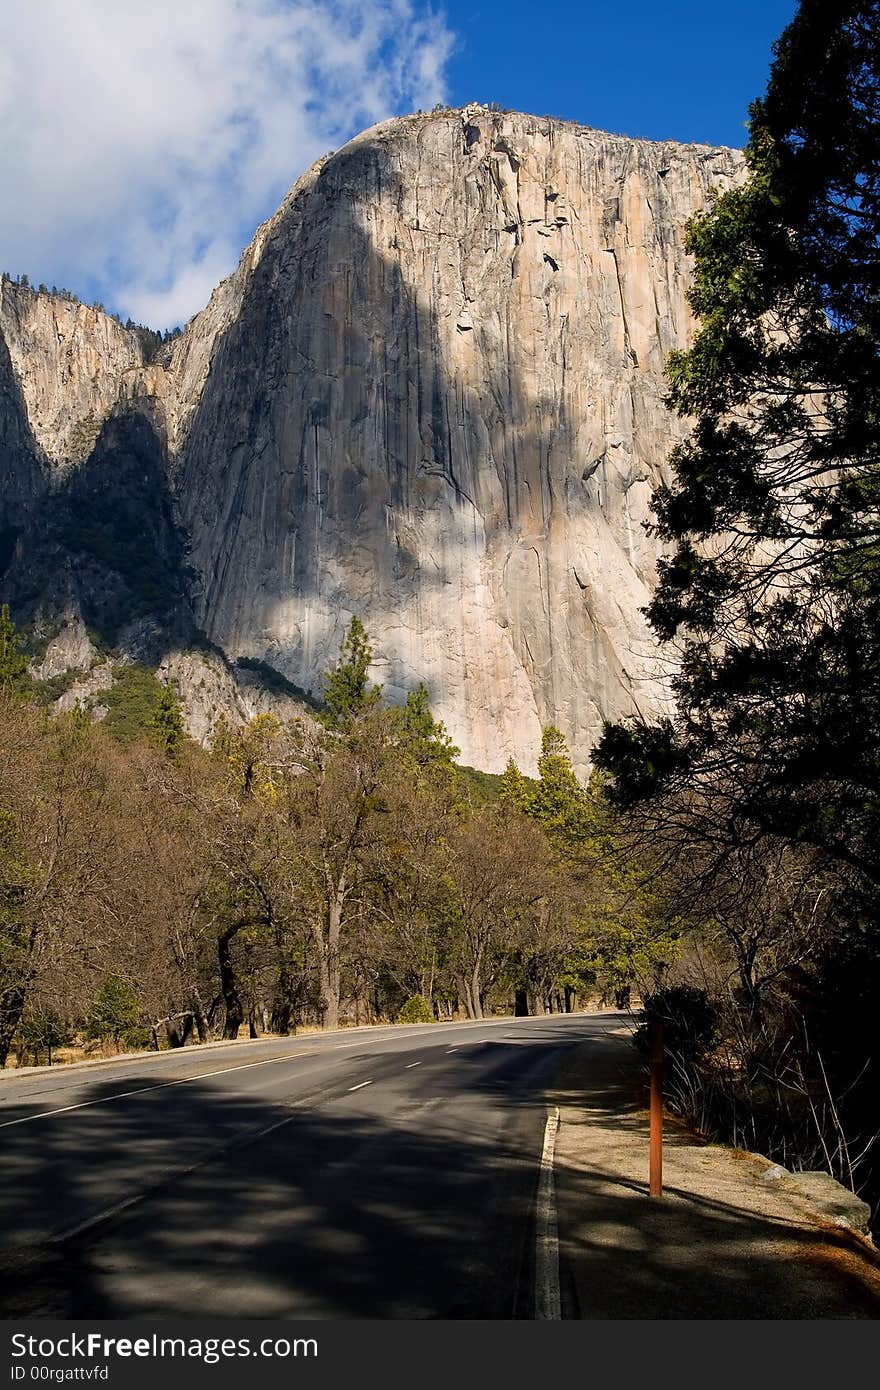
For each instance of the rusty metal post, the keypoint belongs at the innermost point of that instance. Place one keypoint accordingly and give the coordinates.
(655, 1185)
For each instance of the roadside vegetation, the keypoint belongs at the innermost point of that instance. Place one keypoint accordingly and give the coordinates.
(761, 796)
(723, 863)
(337, 868)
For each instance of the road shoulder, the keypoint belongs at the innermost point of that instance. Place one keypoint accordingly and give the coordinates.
(721, 1243)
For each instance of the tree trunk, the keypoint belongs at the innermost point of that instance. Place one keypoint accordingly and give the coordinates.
(746, 966)
(328, 952)
(570, 999)
(329, 988)
(12, 1004)
(282, 1015)
(521, 1003)
(201, 1021)
(476, 993)
(228, 985)
(464, 996)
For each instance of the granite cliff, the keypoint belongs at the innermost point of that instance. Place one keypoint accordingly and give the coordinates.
(431, 394)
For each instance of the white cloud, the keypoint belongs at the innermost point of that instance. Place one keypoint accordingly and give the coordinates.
(141, 144)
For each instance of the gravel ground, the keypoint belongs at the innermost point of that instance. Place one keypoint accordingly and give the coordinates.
(721, 1243)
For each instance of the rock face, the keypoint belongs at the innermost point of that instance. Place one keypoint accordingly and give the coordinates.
(70, 649)
(70, 362)
(211, 689)
(431, 395)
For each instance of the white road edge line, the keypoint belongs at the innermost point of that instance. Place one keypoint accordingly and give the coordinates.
(142, 1090)
(360, 1086)
(548, 1302)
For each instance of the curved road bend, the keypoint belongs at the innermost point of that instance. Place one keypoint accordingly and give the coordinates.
(370, 1173)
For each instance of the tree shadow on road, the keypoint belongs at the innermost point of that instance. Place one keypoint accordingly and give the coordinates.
(230, 1204)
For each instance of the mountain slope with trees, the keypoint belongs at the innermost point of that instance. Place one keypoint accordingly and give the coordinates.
(335, 867)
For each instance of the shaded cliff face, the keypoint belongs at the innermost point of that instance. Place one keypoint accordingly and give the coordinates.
(431, 395)
(440, 405)
(88, 524)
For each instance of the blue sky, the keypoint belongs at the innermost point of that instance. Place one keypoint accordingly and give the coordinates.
(137, 160)
(683, 71)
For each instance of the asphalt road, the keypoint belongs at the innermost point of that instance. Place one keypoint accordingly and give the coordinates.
(371, 1173)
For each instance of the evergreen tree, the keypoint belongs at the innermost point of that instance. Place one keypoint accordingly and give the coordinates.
(13, 662)
(424, 738)
(115, 1012)
(80, 716)
(166, 723)
(514, 789)
(625, 928)
(348, 691)
(557, 799)
(566, 809)
(772, 591)
(42, 1031)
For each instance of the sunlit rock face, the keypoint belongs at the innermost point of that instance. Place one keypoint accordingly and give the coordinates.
(71, 362)
(432, 395)
(439, 405)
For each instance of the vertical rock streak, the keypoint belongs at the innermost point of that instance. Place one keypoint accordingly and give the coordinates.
(432, 394)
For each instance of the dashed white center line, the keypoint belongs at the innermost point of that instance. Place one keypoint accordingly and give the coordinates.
(451, 1049)
(360, 1086)
(410, 1065)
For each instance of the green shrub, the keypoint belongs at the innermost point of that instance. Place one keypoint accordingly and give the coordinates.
(416, 1010)
(485, 786)
(42, 1031)
(48, 691)
(132, 702)
(115, 1014)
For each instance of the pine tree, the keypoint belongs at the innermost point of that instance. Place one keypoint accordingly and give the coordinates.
(13, 662)
(79, 718)
(772, 585)
(166, 723)
(348, 691)
(423, 737)
(514, 789)
(115, 1012)
(557, 799)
